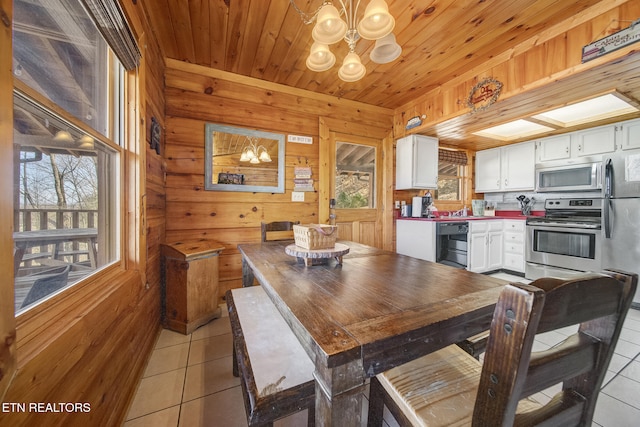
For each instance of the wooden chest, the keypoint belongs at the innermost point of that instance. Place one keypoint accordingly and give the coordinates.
(190, 284)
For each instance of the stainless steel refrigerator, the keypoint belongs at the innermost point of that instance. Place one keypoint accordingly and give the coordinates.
(621, 213)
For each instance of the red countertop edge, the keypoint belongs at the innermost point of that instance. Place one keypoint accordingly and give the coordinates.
(499, 215)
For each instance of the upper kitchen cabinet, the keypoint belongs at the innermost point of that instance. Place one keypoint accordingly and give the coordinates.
(509, 168)
(593, 141)
(630, 134)
(416, 162)
(574, 145)
(554, 148)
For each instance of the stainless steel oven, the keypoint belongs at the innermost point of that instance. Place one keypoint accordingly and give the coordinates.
(566, 241)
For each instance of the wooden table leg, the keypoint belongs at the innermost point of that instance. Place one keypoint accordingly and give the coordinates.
(247, 274)
(339, 395)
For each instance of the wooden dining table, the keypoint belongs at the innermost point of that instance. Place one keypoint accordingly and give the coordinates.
(376, 310)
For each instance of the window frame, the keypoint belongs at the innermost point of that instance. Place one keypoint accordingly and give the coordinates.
(462, 177)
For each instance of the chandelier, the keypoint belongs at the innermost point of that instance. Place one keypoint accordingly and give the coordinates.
(376, 24)
(254, 153)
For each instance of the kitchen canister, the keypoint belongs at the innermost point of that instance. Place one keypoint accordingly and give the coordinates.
(477, 207)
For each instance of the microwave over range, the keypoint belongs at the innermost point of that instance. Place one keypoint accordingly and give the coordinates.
(569, 177)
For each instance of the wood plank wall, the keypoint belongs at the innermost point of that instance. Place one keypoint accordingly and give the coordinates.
(197, 95)
(95, 347)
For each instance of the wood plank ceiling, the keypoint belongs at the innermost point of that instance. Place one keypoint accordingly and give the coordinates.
(268, 40)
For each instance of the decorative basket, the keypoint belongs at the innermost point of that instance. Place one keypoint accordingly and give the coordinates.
(315, 236)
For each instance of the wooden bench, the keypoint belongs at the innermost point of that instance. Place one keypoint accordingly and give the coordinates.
(275, 371)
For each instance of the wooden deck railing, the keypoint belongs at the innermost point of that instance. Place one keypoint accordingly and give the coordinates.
(52, 218)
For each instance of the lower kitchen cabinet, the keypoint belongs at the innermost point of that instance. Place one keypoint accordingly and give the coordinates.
(514, 235)
(485, 245)
(416, 238)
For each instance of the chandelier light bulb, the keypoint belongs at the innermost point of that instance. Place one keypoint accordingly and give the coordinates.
(63, 136)
(264, 156)
(352, 69)
(386, 50)
(329, 28)
(377, 22)
(320, 57)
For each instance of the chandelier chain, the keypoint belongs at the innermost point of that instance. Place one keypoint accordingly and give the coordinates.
(307, 19)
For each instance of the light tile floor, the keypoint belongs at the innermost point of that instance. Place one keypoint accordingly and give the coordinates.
(188, 381)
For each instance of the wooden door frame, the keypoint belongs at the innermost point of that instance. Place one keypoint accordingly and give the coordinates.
(384, 177)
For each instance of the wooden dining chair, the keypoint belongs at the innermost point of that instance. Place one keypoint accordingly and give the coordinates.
(450, 387)
(282, 230)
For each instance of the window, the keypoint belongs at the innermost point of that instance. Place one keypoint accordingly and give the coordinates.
(452, 166)
(68, 124)
(355, 176)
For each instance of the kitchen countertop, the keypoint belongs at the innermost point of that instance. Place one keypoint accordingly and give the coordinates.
(499, 215)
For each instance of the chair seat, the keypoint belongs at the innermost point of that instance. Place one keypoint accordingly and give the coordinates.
(439, 389)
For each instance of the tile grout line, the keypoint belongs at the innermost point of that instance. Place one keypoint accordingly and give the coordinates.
(184, 381)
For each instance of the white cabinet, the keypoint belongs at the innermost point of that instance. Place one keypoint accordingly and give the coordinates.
(416, 162)
(416, 238)
(554, 148)
(518, 166)
(488, 170)
(630, 134)
(509, 168)
(572, 146)
(513, 239)
(593, 141)
(485, 245)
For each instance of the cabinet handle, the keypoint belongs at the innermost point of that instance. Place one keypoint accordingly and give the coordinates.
(506, 182)
(498, 183)
(579, 147)
(567, 149)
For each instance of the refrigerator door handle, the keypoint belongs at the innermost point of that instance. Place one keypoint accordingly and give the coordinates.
(608, 176)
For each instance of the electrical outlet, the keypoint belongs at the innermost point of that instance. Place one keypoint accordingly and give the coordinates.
(297, 196)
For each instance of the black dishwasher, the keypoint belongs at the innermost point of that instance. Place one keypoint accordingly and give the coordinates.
(451, 243)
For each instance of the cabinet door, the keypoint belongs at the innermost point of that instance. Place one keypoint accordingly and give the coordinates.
(488, 170)
(477, 252)
(518, 167)
(494, 250)
(416, 162)
(630, 134)
(425, 162)
(404, 163)
(554, 148)
(593, 141)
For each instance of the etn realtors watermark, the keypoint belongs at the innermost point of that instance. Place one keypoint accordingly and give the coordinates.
(45, 407)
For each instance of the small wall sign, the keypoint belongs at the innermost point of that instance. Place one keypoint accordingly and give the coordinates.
(613, 42)
(300, 139)
(484, 94)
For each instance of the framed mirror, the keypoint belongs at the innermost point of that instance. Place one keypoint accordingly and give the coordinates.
(238, 159)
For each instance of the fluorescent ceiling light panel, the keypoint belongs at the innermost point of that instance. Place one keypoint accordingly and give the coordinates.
(591, 110)
(513, 130)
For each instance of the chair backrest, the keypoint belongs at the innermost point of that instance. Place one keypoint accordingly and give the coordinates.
(511, 372)
(46, 285)
(277, 228)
